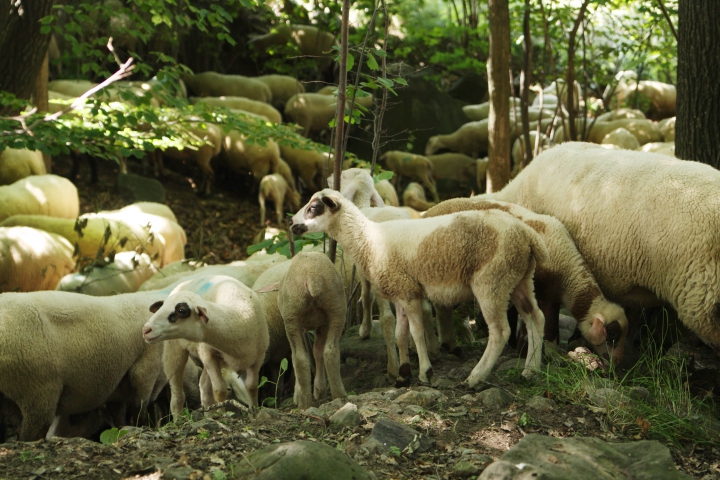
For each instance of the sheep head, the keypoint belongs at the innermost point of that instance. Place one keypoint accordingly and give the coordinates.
(606, 331)
(315, 216)
(181, 315)
(433, 145)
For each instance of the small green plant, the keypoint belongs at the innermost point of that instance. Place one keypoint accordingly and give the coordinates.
(203, 434)
(231, 467)
(112, 435)
(25, 455)
(395, 451)
(273, 401)
(524, 420)
(280, 243)
(219, 475)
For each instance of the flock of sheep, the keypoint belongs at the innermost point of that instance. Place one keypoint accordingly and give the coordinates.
(590, 228)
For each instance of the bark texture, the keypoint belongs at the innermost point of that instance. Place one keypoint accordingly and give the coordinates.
(698, 89)
(498, 65)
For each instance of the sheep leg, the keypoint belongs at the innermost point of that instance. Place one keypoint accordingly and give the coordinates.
(413, 310)
(38, 413)
(387, 323)
(333, 332)
(446, 328)
(367, 301)
(301, 365)
(252, 380)
(320, 390)
(429, 183)
(523, 297)
(206, 393)
(219, 386)
(261, 200)
(402, 331)
(142, 377)
(431, 338)
(237, 385)
(174, 361)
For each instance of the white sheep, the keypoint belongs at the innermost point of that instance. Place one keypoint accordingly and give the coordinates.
(48, 195)
(311, 296)
(482, 110)
(64, 354)
(311, 111)
(20, 163)
(285, 171)
(221, 321)
(257, 156)
(124, 274)
(414, 197)
(202, 155)
(275, 188)
(283, 87)
(622, 139)
(457, 167)
(470, 139)
(518, 149)
(387, 193)
(212, 84)
(416, 167)
(662, 148)
(658, 99)
(241, 103)
(310, 39)
(32, 259)
(644, 223)
(620, 114)
(494, 262)
(564, 279)
(667, 128)
(307, 164)
(152, 208)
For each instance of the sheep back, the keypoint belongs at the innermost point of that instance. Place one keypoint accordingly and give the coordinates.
(49, 195)
(16, 164)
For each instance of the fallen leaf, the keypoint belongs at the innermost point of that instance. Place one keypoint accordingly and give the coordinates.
(553, 459)
(644, 426)
(509, 426)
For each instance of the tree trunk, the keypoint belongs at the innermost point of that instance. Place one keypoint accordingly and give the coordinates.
(698, 89)
(22, 45)
(570, 83)
(498, 66)
(525, 85)
(41, 99)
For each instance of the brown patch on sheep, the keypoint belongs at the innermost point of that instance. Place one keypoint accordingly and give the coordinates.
(583, 302)
(536, 225)
(462, 205)
(473, 242)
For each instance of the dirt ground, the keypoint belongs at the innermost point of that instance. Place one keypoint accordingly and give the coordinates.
(220, 228)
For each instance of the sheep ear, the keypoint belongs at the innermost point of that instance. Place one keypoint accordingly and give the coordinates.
(202, 313)
(333, 205)
(273, 287)
(597, 333)
(376, 200)
(156, 306)
(350, 191)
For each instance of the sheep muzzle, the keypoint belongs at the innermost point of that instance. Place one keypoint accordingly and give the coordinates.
(298, 229)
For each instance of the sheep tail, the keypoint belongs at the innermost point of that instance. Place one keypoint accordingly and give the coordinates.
(537, 245)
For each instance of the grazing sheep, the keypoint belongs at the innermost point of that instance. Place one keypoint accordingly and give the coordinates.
(622, 139)
(667, 128)
(457, 167)
(645, 224)
(221, 321)
(275, 187)
(32, 259)
(307, 164)
(283, 87)
(17, 164)
(493, 260)
(114, 93)
(242, 155)
(644, 130)
(387, 193)
(518, 149)
(362, 98)
(48, 195)
(212, 84)
(64, 354)
(241, 103)
(619, 114)
(310, 39)
(415, 167)
(470, 139)
(414, 197)
(203, 154)
(312, 297)
(124, 274)
(564, 279)
(662, 148)
(311, 111)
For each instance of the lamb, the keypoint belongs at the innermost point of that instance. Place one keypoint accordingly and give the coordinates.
(212, 84)
(17, 164)
(494, 263)
(414, 197)
(307, 164)
(387, 193)
(32, 259)
(622, 139)
(221, 321)
(241, 103)
(456, 167)
(124, 274)
(283, 87)
(415, 167)
(202, 155)
(64, 354)
(241, 155)
(48, 195)
(312, 297)
(275, 187)
(564, 279)
(658, 244)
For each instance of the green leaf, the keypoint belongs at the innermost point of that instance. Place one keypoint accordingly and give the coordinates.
(108, 437)
(350, 61)
(401, 81)
(259, 246)
(283, 365)
(386, 175)
(371, 62)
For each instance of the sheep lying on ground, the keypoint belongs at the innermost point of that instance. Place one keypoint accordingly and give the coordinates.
(49, 195)
(644, 223)
(457, 167)
(564, 279)
(312, 297)
(307, 164)
(212, 84)
(283, 87)
(414, 197)
(221, 321)
(63, 354)
(622, 139)
(619, 114)
(415, 167)
(242, 156)
(76, 88)
(387, 193)
(495, 265)
(667, 128)
(644, 130)
(124, 274)
(662, 148)
(32, 259)
(17, 164)
(241, 103)
(275, 188)
(152, 208)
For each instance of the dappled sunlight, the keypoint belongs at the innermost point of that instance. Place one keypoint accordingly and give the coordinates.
(37, 193)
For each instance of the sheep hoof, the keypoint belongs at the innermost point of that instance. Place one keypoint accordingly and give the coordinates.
(364, 334)
(402, 382)
(428, 375)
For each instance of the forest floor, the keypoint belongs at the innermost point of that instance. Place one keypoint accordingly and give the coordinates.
(465, 430)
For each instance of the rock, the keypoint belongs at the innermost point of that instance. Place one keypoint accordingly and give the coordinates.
(299, 459)
(464, 469)
(178, 473)
(388, 433)
(541, 404)
(329, 408)
(267, 415)
(314, 411)
(141, 189)
(460, 373)
(423, 398)
(442, 382)
(347, 416)
(580, 458)
(567, 327)
(495, 398)
(414, 409)
(366, 397)
(372, 348)
(513, 363)
(603, 397)
(640, 393)
(393, 393)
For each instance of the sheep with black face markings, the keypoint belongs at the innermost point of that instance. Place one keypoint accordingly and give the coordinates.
(493, 259)
(221, 321)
